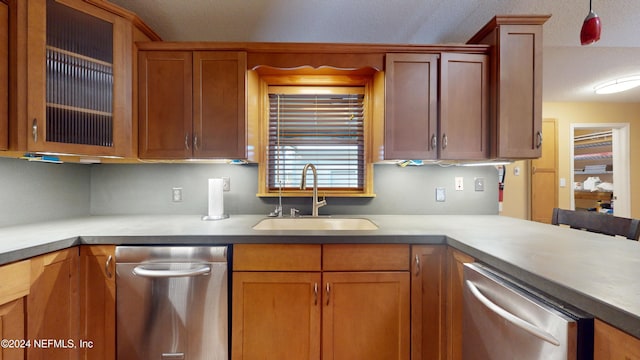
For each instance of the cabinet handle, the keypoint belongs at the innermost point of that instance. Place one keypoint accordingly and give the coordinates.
(539, 143)
(107, 267)
(315, 294)
(186, 141)
(328, 289)
(195, 142)
(434, 141)
(34, 130)
(417, 264)
(445, 140)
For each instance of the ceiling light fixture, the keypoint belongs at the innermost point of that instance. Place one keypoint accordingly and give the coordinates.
(591, 27)
(618, 85)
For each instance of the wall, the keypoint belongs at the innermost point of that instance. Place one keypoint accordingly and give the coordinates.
(146, 189)
(568, 113)
(516, 190)
(32, 192)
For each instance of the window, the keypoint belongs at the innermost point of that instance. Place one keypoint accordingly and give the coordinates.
(322, 125)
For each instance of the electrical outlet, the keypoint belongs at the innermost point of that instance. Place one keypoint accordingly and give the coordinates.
(176, 193)
(440, 194)
(459, 183)
(479, 184)
(226, 183)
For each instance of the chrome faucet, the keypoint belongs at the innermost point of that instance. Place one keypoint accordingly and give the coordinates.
(303, 185)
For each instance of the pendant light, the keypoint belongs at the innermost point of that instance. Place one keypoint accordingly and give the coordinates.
(591, 27)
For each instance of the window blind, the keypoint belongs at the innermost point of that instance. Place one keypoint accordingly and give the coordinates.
(326, 130)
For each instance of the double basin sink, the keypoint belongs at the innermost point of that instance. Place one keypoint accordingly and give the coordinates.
(315, 223)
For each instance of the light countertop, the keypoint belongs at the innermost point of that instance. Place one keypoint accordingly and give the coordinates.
(596, 273)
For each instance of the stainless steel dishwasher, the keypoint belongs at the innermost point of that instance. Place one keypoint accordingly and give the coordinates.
(172, 303)
(506, 320)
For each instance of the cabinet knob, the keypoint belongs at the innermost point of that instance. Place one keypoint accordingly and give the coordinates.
(539, 142)
(107, 267)
(34, 130)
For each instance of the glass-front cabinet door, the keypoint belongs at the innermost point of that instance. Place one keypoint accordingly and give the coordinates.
(78, 79)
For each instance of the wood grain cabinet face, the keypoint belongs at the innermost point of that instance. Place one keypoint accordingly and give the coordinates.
(454, 307)
(516, 91)
(280, 312)
(98, 301)
(428, 327)
(78, 98)
(4, 76)
(411, 106)
(464, 107)
(612, 343)
(52, 304)
(16, 282)
(192, 104)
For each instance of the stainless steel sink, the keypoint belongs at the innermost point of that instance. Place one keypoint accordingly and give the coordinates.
(315, 223)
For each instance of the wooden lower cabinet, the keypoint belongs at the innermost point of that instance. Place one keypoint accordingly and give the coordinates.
(289, 307)
(52, 306)
(612, 343)
(14, 287)
(428, 327)
(276, 315)
(97, 302)
(454, 308)
(366, 315)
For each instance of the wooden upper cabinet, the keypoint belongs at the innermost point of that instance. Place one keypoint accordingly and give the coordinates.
(73, 87)
(516, 68)
(192, 104)
(219, 104)
(464, 106)
(165, 104)
(4, 76)
(411, 106)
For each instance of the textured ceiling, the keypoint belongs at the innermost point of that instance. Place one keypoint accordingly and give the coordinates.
(570, 71)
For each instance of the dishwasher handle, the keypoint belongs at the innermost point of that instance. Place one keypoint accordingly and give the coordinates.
(140, 270)
(522, 324)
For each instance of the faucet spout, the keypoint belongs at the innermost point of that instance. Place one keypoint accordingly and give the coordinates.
(303, 185)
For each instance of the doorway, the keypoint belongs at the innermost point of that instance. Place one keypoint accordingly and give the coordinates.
(600, 167)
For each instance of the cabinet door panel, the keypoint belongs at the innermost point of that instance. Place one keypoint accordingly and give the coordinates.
(79, 82)
(455, 261)
(411, 106)
(98, 301)
(276, 316)
(366, 316)
(428, 302)
(4, 76)
(12, 328)
(165, 104)
(219, 92)
(52, 304)
(464, 107)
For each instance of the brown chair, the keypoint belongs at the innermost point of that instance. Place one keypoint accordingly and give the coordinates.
(597, 222)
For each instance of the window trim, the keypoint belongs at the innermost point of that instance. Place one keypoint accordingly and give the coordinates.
(292, 81)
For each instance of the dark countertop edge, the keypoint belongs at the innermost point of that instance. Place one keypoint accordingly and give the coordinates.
(621, 319)
(36, 250)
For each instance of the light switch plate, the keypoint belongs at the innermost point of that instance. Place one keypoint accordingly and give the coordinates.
(440, 194)
(479, 184)
(226, 183)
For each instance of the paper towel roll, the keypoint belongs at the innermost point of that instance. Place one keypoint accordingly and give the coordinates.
(216, 200)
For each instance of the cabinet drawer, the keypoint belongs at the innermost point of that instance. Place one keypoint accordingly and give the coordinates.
(276, 257)
(365, 257)
(16, 281)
